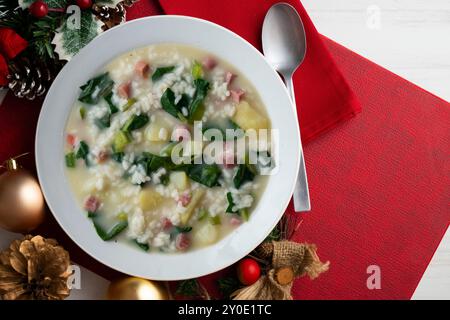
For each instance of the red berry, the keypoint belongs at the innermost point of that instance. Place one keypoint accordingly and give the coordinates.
(38, 9)
(248, 271)
(84, 4)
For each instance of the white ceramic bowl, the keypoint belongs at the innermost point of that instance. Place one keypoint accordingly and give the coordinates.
(50, 144)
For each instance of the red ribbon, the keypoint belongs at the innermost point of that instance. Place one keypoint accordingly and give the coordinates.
(11, 44)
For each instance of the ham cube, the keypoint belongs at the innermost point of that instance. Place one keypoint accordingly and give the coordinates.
(229, 77)
(124, 90)
(235, 221)
(166, 224)
(182, 242)
(236, 95)
(102, 156)
(92, 204)
(185, 199)
(181, 133)
(142, 69)
(209, 63)
(228, 155)
(71, 140)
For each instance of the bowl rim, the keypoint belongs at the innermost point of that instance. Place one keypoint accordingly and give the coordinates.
(49, 193)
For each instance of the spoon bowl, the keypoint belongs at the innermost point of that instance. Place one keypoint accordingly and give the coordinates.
(284, 38)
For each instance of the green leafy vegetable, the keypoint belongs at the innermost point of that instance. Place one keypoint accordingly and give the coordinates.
(83, 152)
(143, 246)
(121, 140)
(117, 156)
(184, 229)
(70, 160)
(135, 122)
(113, 232)
(243, 174)
(206, 174)
(196, 108)
(103, 122)
(244, 213)
(128, 104)
(96, 88)
(168, 102)
(215, 220)
(112, 107)
(230, 203)
(82, 113)
(202, 214)
(160, 72)
(197, 70)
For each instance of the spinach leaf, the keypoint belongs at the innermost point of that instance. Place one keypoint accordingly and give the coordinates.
(96, 88)
(184, 229)
(242, 175)
(83, 152)
(112, 107)
(117, 156)
(103, 122)
(168, 102)
(206, 174)
(114, 231)
(230, 203)
(159, 72)
(196, 108)
(135, 122)
(70, 160)
(152, 162)
(143, 246)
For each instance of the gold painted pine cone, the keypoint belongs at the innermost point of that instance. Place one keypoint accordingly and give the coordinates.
(34, 268)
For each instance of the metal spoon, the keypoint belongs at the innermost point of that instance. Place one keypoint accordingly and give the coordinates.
(284, 45)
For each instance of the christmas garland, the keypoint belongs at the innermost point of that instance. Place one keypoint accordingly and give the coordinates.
(37, 37)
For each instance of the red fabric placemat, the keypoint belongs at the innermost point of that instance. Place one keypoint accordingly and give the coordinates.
(379, 183)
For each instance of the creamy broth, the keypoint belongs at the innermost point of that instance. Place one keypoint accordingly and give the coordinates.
(120, 133)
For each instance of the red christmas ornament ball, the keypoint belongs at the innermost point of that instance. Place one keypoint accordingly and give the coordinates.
(38, 9)
(248, 271)
(84, 4)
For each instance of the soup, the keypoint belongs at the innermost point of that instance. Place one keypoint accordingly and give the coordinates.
(134, 162)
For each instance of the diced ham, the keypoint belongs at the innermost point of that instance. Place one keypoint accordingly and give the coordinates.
(102, 156)
(182, 242)
(142, 69)
(236, 95)
(209, 63)
(92, 204)
(71, 140)
(124, 90)
(235, 221)
(181, 133)
(166, 224)
(229, 77)
(185, 198)
(228, 156)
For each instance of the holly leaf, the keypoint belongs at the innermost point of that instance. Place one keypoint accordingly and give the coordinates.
(58, 4)
(71, 36)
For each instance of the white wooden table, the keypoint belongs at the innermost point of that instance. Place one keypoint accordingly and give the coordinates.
(410, 38)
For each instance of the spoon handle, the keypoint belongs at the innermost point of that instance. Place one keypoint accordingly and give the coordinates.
(301, 191)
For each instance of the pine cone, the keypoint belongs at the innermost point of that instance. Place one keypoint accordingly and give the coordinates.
(34, 268)
(31, 79)
(112, 16)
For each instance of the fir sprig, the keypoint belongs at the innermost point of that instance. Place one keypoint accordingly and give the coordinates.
(192, 288)
(227, 286)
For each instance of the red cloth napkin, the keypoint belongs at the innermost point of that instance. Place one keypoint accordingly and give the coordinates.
(379, 183)
(323, 96)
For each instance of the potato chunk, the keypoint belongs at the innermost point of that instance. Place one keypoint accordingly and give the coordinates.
(247, 117)
(179, 180)
(206, 234)
(149, 199)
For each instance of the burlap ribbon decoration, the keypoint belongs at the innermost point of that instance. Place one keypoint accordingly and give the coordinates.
(289, 260)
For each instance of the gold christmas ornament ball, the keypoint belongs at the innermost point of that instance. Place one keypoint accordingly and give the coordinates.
(136, 289)
(21, 201)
